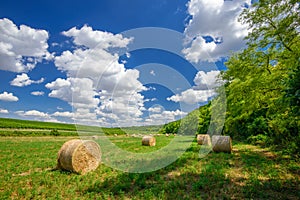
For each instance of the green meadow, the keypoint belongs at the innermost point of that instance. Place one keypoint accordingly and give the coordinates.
(28, 171)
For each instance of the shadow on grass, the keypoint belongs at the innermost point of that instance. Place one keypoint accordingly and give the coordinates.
(243, 174)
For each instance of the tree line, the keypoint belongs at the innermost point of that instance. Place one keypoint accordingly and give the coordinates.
(262, 82)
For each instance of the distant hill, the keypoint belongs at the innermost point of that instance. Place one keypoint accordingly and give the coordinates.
(17, 127)
(196, 122)
(28, 124)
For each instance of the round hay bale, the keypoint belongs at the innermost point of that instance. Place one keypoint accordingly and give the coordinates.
(94, 137)
(148, 141)
(221, 143)
(79, 156)
(167, 134)
(203, 139)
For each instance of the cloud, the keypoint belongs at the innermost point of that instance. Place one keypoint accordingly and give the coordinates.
(78, 92)
(155, 109)
(21, 48)
(59, 108)
(37, 115)
(152, 72)
(164, 117)
(207, 80)
(33, 113)
(90, 38)
(192, 96)
(4, 111)
(24, 80)
(5, 96)
(37, 93)
(98, 86)
(205, 83)
(218, 21)
(149, 100)
(63, 114)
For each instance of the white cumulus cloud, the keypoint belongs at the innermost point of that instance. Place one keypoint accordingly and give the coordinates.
(207, 80)
(92, 38)
(78, 92)
(192, 96)
(4, 111)
(37, 93)
(24, 80)
(5, 96)
(205, 84)
(21, 48)
(164, 117)
(33, 113)
(63, 114)
(98, 86)
(155, 109)
(218, 20)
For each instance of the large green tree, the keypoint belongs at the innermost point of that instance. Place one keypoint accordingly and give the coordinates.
(263, 81)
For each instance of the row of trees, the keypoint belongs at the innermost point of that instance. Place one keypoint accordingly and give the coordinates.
(262, 82)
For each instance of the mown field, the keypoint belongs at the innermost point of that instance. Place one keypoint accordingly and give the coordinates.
(16, 127)
(28, 172)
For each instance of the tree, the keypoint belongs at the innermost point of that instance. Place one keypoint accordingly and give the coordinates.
(263, 81)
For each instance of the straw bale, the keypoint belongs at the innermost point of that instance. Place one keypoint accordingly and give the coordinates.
(79, 156)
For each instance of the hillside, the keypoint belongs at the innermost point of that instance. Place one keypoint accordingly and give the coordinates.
(29, 124)
(17, 127)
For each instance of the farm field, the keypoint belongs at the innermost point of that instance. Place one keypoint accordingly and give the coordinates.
(250, 172)
(16, 127)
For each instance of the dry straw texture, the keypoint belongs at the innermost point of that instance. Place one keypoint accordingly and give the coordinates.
(203, 139)
(221, 143)
(148, 141)
(79, 156)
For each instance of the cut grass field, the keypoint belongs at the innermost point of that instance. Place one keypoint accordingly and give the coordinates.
(17, 127)
(250, 172)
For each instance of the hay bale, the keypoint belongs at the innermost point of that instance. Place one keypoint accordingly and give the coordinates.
(79, 156)
(167, 134)
(148, 141)
(203, 139)
(94, 137)
(221, 143)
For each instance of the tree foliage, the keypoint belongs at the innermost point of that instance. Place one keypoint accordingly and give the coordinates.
(196, 122)
(263, 81)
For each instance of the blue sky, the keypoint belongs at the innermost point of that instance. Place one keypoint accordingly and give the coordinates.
(114, 62)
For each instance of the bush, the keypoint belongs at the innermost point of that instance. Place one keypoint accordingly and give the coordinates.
(258, 139)
(54, 132)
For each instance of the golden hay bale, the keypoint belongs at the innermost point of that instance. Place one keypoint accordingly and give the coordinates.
(94, 137)
(148, 141)
(79, 156)
(203, 139)
(221, 143)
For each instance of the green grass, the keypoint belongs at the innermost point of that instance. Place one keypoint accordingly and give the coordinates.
(250, 172)
(17, 127)
(27, 124)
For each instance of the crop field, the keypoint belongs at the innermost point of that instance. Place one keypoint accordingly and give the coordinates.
(28, 171)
